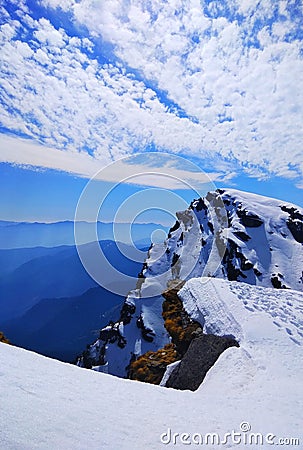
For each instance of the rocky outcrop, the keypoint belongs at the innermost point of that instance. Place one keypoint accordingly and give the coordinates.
(249, 219)
(294, 222)
(150, 367)
(147, 333)
(227, 234)
(276, 280)
(203, 352)
(94, 355)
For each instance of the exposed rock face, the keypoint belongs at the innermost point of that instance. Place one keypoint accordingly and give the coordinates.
(276, 280)
(249, 219)
(294, 222)
(201, 355)
(150, 367)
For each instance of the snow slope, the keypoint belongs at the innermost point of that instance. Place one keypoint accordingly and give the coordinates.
(228, 234)
(46, 404)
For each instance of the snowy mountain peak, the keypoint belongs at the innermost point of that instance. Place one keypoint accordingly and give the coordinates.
(230, 235)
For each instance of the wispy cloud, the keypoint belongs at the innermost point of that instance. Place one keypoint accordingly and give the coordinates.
(206, 79)
(25, 152)
(143, 170)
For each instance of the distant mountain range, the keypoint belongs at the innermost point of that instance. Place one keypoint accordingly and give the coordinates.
(29, 235)
(55, 272)
(49, 303)
(61, 327)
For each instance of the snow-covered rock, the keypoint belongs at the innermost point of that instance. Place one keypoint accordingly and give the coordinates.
(229, 234)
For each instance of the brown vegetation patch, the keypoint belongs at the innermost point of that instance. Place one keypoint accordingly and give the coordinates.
(151, 366)
(177, 322)
(3, 338)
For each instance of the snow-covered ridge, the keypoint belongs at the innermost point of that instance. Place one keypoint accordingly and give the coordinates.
(212, 303)
(228, 234)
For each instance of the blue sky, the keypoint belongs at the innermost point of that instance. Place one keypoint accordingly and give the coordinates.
(86, 83)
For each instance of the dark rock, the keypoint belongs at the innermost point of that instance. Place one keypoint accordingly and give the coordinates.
(174, 228)
(221, 191)
(276, 282)
(292, 211)
(243, 236)
(147, 333)
(246, 265)
(127, 312)
(141, 274)
(174, 259)
(296, 228)
(200, 204)
(107, 334)
(257, 272)
(232, 252)
(121, 341)
(211, 227)
(294, 222)
(249, 219)
(201, 355)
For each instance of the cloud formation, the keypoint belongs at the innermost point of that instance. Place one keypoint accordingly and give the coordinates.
(152, 169)
(213, 80)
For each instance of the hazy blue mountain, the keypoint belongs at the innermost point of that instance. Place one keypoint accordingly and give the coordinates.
(55, 273)
(62, 327)
(11, 259)
(29, 235)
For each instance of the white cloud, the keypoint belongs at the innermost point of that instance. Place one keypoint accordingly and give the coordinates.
(246, 100)
(24, 152)
(146, 172)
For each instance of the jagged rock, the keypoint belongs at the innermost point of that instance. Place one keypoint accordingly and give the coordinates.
(231, 253)
(243, 236)
(257, 272)
(276, 281)
(108, 334)
(294, 222)
(199, 204)
(246, 265)
(296, 228)
(127, 312)
(175, 227)
(147, 333)
(201, 355)
(248, 219)
(175, 259)
(211, 227)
